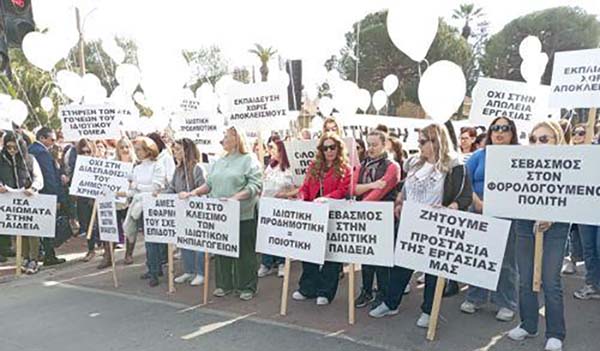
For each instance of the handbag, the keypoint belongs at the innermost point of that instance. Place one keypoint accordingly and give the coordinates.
(63, 230)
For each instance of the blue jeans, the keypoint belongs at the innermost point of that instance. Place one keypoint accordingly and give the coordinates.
(271, 261)
(554, 246)
(153, 258)
(506, 291)
(574, 249)
(590, 238)
(193, 261)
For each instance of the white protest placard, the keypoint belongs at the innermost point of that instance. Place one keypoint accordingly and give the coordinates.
(457, 245)
(159, 218)
(361, 232)
(549, 183)
(576, 79)
(107, 218)
(93, 122)
(301, 152)
(294, 229)
(209, 225)
(92, 175)
(205, 129)
(188, 105)
(526, 104)
(28, 215)
(258, 106)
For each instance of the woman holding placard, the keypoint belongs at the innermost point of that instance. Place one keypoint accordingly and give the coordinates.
(237, 176)
(433, 178)
(124, 153)
(188, 175)
(328, 176)
(85, 206)
(554, 239)
(278, 183)
(148, 177)
(502, 131)
(19, 170)
(375, 179)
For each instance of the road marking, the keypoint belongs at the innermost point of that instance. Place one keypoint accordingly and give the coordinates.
(493, 341)
(205, 329)
(334, 334)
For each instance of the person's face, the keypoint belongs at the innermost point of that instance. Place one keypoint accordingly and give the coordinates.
(359, 149)
(481, 144)
(466, 141)
(86, 151)
(124, 150)
(49, 141)
(389, 147)
(273, 151)
(578, 136)
(230, 140)
(306, 135)
(425, 146)
(501, 131)
(178, 152)
(375, 146)
(330, 150)
(140, 153)
(542, 136)
(11, 148)
(331, 127)
(100, 150)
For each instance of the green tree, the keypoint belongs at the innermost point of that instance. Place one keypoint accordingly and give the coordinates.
(467, 13)
(207, 64)
(559, 29)
(378, 57)
(264, 55)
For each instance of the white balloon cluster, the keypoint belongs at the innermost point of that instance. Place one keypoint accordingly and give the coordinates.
(12, 111)
(534, 60)
(77, 88)
(44, 50)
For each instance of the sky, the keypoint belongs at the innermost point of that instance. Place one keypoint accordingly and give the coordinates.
(312, 30)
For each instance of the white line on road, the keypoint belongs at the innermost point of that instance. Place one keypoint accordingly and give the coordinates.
(205, 329)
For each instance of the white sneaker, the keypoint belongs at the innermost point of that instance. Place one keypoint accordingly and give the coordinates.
(185, 277)
(423, 321)
(383, 310)
(322, 301)
(198, 280)
(297, 295)
(264, 271)
(553, 344)
(505, 315)
(520, 334)
(421, 278)
(468, 307)
(281, 270)
(569, 267)
(407, 289)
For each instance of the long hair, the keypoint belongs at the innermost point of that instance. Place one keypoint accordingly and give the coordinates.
(332, 120)
(514, 140)
(82, 143)
(555, 128)
(441, 147)
(22, 152)
(284, 163)
(240, 137)
(339, 164)
(125, 141)
(472, 132)
(397, 149)
(191, 157)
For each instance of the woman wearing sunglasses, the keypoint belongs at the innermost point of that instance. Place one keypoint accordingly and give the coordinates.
(546, 133)
(237, 176)
(328, 176)
(434, 178)
(502, 131)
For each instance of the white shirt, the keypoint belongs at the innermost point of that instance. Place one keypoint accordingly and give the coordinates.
(276, 180)
(425, 185)
(147, 177)
(168, 164)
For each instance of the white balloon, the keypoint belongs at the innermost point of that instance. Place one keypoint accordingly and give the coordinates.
(140, 98)
(39, 51)
(413, 30)
(121, 96)
(533, 68)
(128, 76)
(390, 84)
(47, 104)
(223, 84)
(344, 99)
(530, 47)
(326, 106)
(311, 92)
(71, 84)
(4, 99)
(114, 51)
(379, 99)
(17, 111)
(442, 89)
(364, 99)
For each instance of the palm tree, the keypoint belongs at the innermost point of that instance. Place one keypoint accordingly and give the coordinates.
(264, 54)
(468, 13)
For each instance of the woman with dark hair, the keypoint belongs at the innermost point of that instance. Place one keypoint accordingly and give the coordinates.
(480, 141)
(188, 175)
(278, 183)
(85, 206)
(502, 131)
(467, 138)
(327, 177)
(361, 149)
(19, 170)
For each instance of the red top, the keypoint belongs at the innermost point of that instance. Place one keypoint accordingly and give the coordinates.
(391, 177)
(334, 187)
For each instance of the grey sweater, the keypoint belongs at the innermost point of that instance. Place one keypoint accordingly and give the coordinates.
(178, 183)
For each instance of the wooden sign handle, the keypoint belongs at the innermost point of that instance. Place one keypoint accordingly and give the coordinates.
(435, 309)
(286, 286)
(92, 220)
(537, 260)
(351, 309)
(19, 254)
(171, 269)
(112, 262)
(206, 278)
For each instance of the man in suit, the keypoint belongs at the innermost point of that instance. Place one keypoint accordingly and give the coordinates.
(45, 138)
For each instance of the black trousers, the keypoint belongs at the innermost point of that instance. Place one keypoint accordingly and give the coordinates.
(320, 281)
(369, 273)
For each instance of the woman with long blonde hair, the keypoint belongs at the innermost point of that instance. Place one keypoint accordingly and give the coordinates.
(124, 153)
(328, 177)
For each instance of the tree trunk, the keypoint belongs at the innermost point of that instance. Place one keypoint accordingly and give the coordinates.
(264, 72)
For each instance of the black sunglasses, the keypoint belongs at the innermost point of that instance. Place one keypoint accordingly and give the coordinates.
(579, 133)
(544, 139)
(326, 148)
(500, 128)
